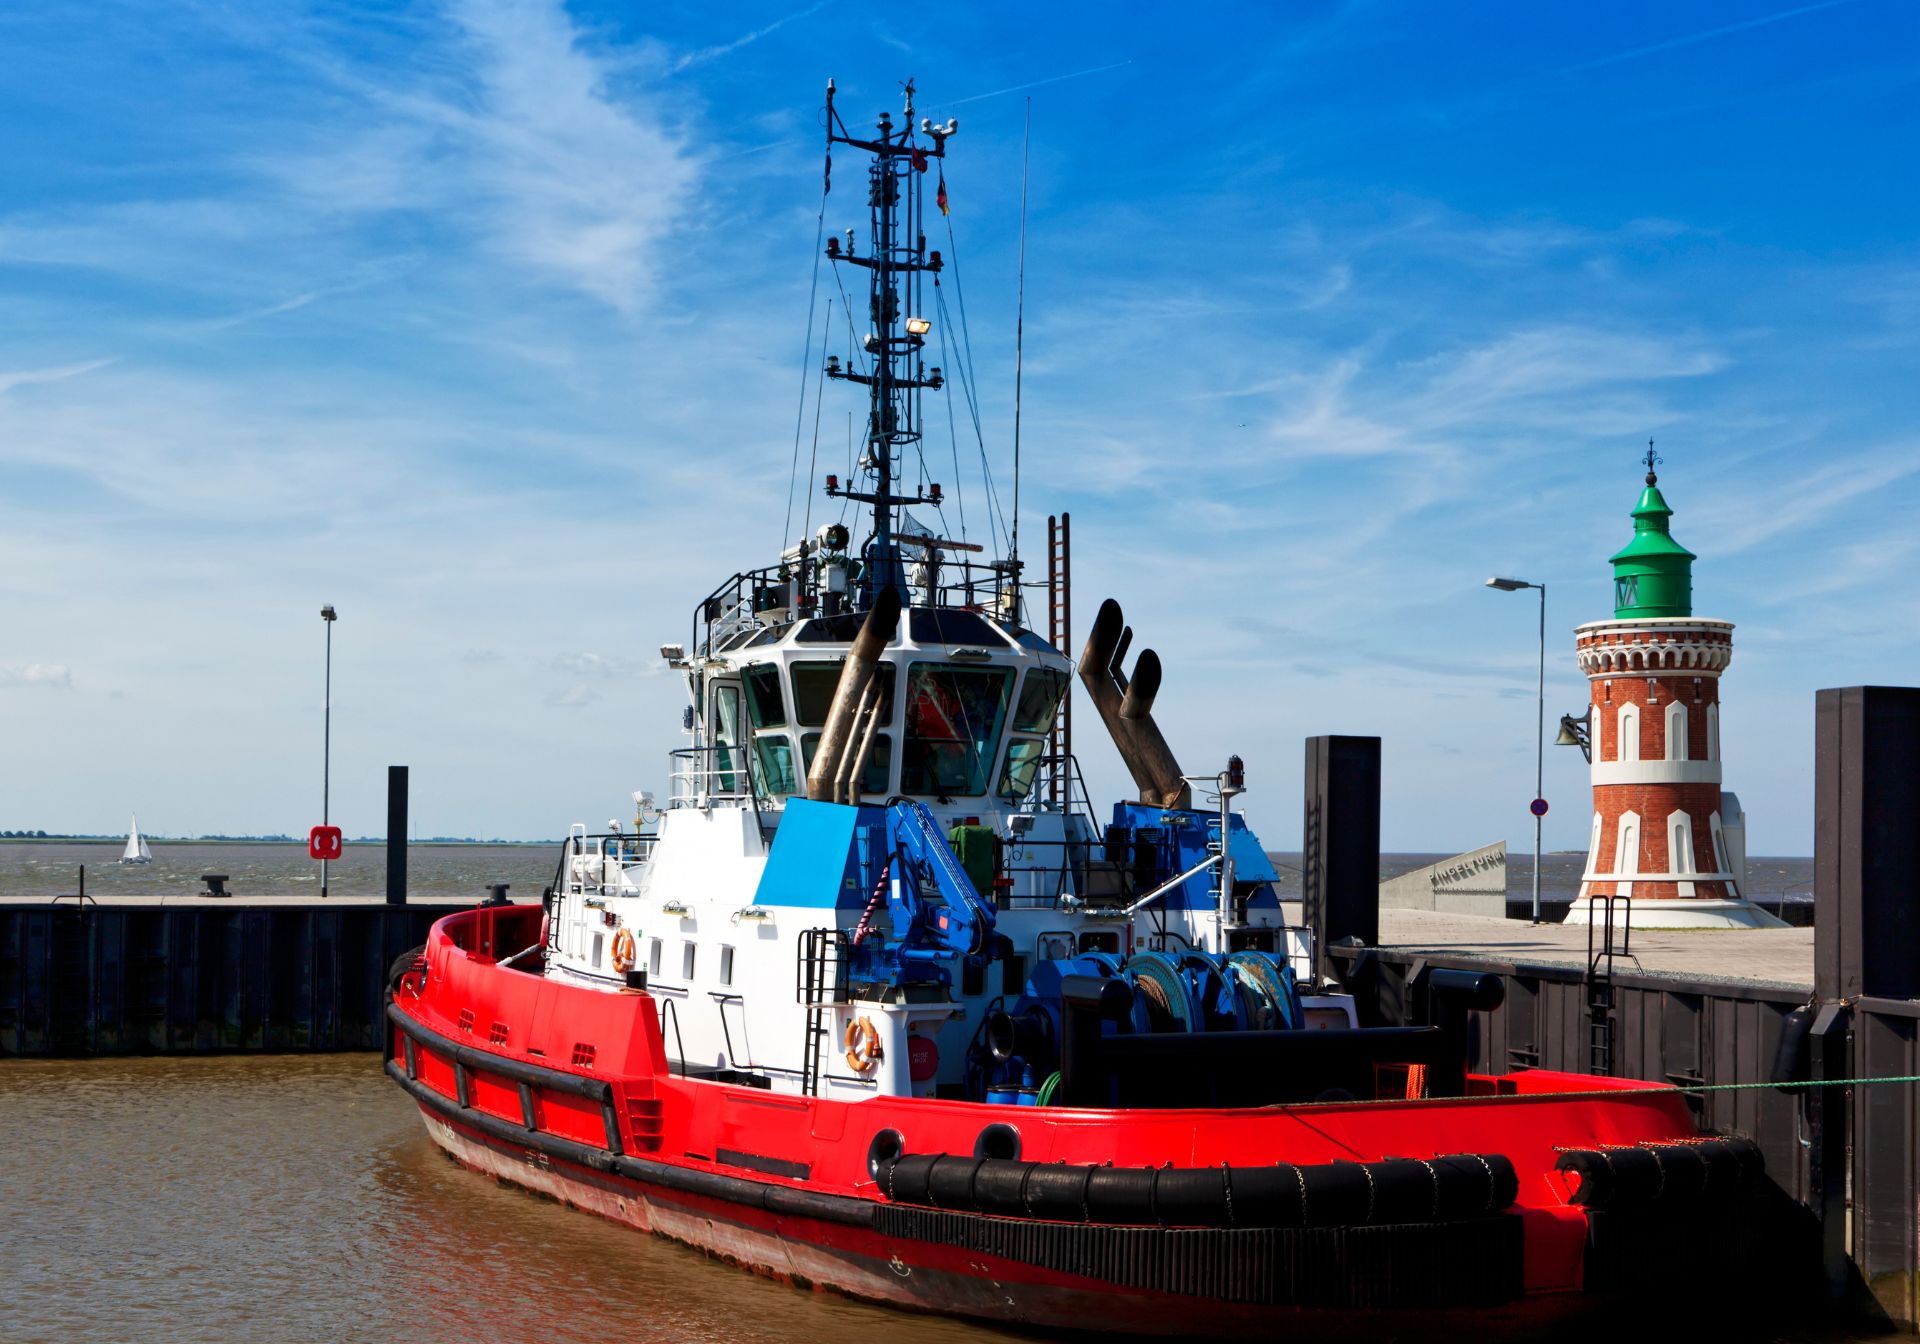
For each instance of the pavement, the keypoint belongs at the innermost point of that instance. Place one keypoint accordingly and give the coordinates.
(1768, 956)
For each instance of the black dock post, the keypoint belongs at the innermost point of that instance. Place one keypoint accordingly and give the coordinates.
(396, 835)
(1866, 843)
(1340, 844)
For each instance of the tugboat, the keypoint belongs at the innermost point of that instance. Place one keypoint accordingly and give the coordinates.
(877, 1003)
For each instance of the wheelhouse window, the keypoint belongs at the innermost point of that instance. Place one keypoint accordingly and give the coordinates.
(879, 760)
(766, 707)
(1039, 699)
(774, 752)
(1023, 761)
(772, 747)
(727, 738)
(815, 683)
(955, 713)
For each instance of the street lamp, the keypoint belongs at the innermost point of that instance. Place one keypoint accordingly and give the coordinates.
(326, 739)
(1538, 808)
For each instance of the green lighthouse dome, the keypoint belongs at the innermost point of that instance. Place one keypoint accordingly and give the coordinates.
(1653, 573)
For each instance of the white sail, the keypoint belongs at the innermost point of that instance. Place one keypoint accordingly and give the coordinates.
(136, 850)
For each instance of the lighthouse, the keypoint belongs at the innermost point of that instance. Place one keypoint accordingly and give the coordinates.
(1665, 832)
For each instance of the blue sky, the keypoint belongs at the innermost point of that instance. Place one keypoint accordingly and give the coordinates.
(484, 322)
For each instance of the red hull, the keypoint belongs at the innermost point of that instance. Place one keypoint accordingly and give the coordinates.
(566, 1091)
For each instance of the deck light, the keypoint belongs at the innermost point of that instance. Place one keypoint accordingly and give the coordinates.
(919, 326)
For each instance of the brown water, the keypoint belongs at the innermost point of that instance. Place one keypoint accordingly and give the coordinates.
(274, 1200)
(299, 1199)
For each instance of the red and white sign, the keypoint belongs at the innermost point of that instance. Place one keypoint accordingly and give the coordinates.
(923, 1058)
(324, 842)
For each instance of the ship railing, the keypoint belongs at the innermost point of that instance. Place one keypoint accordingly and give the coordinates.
(596, 865)
(1065, 767)
(706, 777)
(775, 595)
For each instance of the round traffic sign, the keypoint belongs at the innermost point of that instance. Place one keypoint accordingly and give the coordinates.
(1538, 807)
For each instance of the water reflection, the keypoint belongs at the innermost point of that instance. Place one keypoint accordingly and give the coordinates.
(299, 1199)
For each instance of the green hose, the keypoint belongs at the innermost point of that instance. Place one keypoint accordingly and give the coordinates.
(1045, 1097)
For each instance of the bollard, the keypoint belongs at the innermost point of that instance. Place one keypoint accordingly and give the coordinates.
(396, 835)
(1340, 844)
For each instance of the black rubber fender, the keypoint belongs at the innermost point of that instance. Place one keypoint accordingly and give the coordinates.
(1333, 1194)
(1662, 1173)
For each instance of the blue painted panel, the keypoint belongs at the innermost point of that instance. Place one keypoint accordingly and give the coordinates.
(813, 863)
(1250, 861)
(1182, 837)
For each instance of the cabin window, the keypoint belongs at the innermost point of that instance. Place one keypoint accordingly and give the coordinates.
(879, 760)
(686, 962)
(726, 965)
(954, 716)
(765, 706)
(815, 683)
(653, 958)
(1039, 699)
(598, 938)
(1023, 760)
(775, 754)
(726, 738)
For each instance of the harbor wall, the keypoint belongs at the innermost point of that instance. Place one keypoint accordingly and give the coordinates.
(119, 979)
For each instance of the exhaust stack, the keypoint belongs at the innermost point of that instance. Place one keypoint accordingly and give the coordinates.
(1126, 707)
(856, 677)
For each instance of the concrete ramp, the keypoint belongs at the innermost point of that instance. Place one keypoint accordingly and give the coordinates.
(1474, 883)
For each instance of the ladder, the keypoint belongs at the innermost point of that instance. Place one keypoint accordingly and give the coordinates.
(819, 984)
(1060, 635)
(1618, 914)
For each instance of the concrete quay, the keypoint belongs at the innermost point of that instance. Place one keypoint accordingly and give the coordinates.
(1773, 957)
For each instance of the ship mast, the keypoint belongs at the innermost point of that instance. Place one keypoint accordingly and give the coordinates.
(896, 373)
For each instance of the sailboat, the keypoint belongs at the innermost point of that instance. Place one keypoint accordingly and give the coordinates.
(136, 850)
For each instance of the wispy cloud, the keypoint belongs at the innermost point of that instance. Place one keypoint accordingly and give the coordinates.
(1704, 35)
(46, 676)
(705, 54)
(596, 665)
(1030, 84)
(27, 377)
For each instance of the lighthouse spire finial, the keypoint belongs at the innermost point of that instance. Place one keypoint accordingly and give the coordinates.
(1653, 459)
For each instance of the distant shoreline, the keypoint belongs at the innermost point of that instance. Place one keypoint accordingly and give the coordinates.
(363, 842)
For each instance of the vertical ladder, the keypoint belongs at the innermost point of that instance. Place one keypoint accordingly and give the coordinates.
(1060, 635)
(819, 984)
(1618, 913)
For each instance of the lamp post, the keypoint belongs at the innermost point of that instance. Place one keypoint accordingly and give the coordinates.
(1539, 730)
(326, 738)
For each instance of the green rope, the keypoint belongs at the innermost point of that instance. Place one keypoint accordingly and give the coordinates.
(1651, 1090)
(1047, 1089)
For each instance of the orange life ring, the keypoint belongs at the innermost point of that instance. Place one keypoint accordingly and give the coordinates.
(623, 951)
(863, 1045)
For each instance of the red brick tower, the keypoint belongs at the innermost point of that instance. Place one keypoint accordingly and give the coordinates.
(1664, 832)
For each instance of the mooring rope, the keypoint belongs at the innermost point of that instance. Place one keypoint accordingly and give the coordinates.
(1650, 1090)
